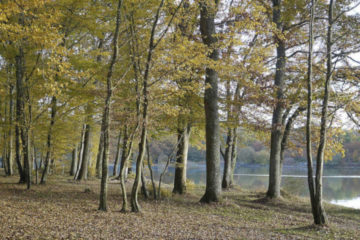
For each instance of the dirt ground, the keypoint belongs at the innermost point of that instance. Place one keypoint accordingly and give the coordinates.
(64, 209)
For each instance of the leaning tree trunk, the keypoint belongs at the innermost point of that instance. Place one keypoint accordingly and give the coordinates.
(49, 140)
(276, 126)
(213, 183)
(181, 160)
(135, 207)
(287, 131)
(106, 115)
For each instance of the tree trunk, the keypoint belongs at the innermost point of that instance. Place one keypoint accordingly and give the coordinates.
(309, 114)
(286, 134)
(233, 155)
(83, 172)
(135, 207)
(3, 120)
(320, 217)
(276, 126)
(80, 152)
(150, 170)
(9, 156)
(226, 181)
(106, 115)
(213, 183)
(49, 139)
(126, 153)
(36, 165)
(22, 123)
(181, 160)
(144, 190)
(117, 156)
(99, 155)
(74, 162)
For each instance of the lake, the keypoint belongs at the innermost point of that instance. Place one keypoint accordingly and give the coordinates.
(340, 185)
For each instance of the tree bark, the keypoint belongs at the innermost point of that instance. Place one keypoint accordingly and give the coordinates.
(106, 115)
(135, 207)
(49, 140)
(83, 172)
(144, 190)
(150, 170)
(181, 160)
(207, 29)
(9, 157)
(74, 162)
(287, 131)
(309, 114)
(100, 155)
(226, 181)
(320, 217)
(276, 126)
(22, 123)
(80, 152)
(233, 155)
(117, 156)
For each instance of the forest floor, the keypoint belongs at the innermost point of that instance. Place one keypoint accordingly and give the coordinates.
(64, 209)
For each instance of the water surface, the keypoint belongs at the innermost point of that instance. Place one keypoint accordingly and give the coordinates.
(340, 185)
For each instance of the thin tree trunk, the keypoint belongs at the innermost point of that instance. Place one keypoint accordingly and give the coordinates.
(117, 156)
(74, 161)
(106, 115)
(233, 155)
(144, 190)
(9, 157)
(286, 134)
(127, 152)
(150, 170)
(49, 139)
(36, 166)
(5, 145)
(99, 155)
(226, 182)
(83, 173)
(276, 126)
(135, 207)
(213, 175)
(320, 217)
(81, 150)
(181, 160)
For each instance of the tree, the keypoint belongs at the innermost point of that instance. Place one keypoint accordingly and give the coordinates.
(207, 29)
(106, 114)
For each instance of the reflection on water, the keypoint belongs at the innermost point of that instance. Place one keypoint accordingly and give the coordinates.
(353, 203)
(340, 185)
